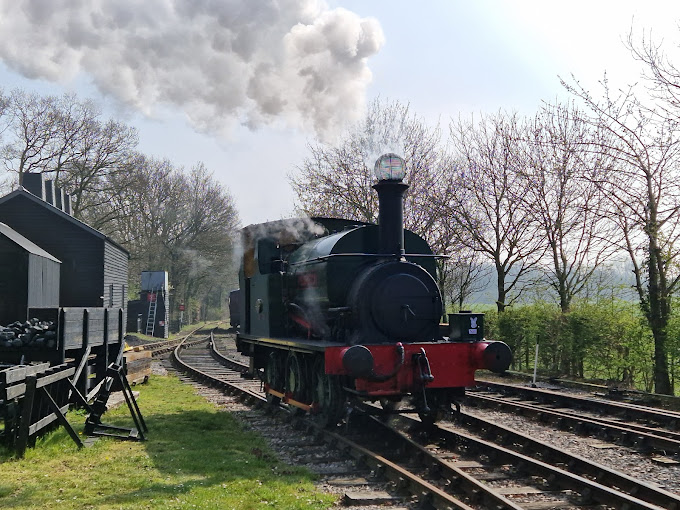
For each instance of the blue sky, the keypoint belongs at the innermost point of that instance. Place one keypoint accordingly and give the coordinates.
(445, 58)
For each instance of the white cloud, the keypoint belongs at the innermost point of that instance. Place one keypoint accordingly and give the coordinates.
(220, 62)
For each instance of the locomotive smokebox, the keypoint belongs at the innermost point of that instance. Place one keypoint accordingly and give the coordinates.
(390, 170)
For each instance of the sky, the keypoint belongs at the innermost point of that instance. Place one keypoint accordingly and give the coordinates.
(244, 86)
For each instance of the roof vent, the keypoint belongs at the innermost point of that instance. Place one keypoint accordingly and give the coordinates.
(35, 184)
(45, 189)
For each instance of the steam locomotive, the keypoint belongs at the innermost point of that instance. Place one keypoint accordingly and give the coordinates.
(331, 310)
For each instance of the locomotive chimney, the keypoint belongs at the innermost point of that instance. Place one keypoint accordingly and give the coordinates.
(390, 171)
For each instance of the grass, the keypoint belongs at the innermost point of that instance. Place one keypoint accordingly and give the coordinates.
(196, 457)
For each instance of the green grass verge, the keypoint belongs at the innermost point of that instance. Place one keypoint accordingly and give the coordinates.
(195, 457)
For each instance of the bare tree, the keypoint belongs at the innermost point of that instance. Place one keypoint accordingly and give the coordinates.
(643, 186)
(568, 206)
(486, 200)
(661, 75)
(336, 179)
(140, 211)
(45, 131)
(104, 149)
(4, 108)
(203, 226)
(65, 137)
(34, 124)
(181, 222)
(5, 122)
(466, 272)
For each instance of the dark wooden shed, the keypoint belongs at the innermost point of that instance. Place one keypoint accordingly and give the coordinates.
(94, 269)
(29, 277)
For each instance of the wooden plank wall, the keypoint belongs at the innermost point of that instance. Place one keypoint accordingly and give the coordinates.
(74, 327)
(113, 318)
(115, 276)
(43, 282)
(95, 326)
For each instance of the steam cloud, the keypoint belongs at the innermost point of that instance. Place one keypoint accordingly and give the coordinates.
(286, 231)
(219, 61)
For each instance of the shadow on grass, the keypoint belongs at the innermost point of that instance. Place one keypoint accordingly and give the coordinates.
(211, 453)
(193, 458)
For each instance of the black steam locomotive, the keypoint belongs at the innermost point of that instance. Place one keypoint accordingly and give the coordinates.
(333, 309)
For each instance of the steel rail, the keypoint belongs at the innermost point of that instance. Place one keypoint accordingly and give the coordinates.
(426, 492)
(164, 346)
(665, 417)
(169, 348)
(581, 424)
(477, 491)
(611, 393)
(226, 361)
(554, 476)
(230, 388)
(576, 464)
(657, 431)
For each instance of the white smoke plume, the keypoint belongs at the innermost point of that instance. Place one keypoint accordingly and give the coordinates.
(220, 61)
(285, 232)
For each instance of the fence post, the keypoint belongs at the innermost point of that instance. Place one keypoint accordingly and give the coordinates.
(83, 382)
(535, 364)
(26, 412)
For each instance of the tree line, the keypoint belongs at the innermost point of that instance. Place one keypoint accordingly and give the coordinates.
(544, 203)
(168, 217)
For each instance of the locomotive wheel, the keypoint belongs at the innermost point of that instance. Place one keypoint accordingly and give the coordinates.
(273, 376)
(328, 395)
(295, 379)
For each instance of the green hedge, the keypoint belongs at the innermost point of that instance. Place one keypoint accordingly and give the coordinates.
(604, 341)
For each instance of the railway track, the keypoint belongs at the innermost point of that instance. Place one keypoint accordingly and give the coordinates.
(165, 346)
(610, 393)
(575, 464)
(445, 466)
(646, 428)
(625, 410)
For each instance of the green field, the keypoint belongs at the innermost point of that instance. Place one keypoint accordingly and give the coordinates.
(195, 457)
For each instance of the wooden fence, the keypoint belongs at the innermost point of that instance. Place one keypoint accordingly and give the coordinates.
(38, 385)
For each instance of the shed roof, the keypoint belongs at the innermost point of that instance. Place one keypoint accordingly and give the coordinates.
(24, 243)
(27, 194)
